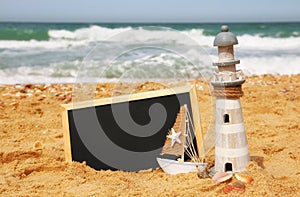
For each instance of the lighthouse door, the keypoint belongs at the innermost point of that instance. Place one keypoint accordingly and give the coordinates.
(228, 167)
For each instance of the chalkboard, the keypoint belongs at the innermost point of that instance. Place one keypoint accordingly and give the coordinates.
(125, 132)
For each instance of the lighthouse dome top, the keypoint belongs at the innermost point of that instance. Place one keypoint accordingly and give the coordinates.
(225, 38)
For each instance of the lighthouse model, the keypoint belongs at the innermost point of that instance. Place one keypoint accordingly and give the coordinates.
(231, 149)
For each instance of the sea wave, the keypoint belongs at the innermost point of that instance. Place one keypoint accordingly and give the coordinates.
(59, 58)
(162, 66)
(92, 33)
(268, 43)
(34, 44)
(84, 36)
(144, 34)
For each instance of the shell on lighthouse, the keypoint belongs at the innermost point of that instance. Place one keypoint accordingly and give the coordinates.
(231, 149)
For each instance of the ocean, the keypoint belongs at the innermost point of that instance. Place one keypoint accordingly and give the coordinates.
(70, 52)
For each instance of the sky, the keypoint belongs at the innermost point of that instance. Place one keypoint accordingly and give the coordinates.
(149, 11)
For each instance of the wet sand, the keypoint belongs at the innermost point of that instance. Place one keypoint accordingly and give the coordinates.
(32, 159)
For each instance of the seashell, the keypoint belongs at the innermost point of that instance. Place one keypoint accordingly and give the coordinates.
(235, 186)
(244, 177)
(38, 145)
(222, 176)
(227, 189)
(238, 186)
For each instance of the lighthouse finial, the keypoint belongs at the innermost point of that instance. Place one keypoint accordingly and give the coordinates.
(225, 38)
(224, 28)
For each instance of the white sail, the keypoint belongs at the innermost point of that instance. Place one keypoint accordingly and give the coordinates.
(184, 125)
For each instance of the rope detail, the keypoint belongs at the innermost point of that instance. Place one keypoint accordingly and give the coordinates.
(228, 92)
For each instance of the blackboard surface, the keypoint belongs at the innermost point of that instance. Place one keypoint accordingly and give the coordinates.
(124, 135)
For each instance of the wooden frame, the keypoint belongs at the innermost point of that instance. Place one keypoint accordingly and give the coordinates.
(128, 98)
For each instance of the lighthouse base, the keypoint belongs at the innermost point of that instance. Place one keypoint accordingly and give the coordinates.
(233, 164)
(231, 150)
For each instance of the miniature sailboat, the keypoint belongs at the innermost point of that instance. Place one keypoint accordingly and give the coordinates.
(179, 143)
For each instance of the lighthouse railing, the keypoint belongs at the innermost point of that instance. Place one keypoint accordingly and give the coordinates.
(228, 76)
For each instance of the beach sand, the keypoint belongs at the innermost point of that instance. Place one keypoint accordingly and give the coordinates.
(32, 159)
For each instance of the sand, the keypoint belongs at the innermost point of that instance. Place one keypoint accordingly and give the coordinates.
(32, 159)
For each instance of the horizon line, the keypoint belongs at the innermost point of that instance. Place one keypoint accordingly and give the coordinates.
(140, 22)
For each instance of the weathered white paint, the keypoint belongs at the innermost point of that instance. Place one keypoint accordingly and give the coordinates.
(230, 128)
(225, 53)
(238, 164)
(231, 140)
(232, 152)
(222, 103)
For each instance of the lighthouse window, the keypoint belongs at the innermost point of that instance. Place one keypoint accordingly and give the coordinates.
(226, 118)
(228, 167)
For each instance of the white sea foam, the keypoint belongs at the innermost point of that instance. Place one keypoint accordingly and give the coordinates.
(161, 66)
(268, 43)
(58, 58)
(34, 44)
(273, 65)
(92, 33)
(83, 36)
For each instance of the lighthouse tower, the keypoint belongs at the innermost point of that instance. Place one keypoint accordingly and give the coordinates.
(231, 149)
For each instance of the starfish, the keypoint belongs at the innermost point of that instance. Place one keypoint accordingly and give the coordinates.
(174, 137)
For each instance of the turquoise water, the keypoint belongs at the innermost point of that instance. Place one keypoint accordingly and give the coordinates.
(50, 52)
(39, 31)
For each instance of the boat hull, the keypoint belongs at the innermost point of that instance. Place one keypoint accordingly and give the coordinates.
(176, 167)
